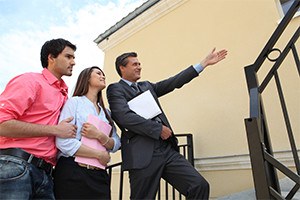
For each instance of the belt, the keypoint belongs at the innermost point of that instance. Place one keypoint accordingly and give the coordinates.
(89, 166)
(38, 162)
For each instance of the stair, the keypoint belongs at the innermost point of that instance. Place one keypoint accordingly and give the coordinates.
(285, 185)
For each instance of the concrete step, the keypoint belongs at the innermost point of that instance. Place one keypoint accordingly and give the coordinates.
(285, 184)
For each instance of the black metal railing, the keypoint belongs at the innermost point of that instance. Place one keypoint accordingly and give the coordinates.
(186, 148)
(264, 164)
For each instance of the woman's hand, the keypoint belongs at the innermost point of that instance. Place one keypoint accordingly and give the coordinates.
(104, 157)
(90, 131)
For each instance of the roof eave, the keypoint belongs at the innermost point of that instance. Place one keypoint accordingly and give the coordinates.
(145, 6)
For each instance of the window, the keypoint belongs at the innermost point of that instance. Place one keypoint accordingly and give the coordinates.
(286, 4)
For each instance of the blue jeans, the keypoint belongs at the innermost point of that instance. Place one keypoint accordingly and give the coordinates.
(22, 180)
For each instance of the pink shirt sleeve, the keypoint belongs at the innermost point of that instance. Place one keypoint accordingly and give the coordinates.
(17, 97)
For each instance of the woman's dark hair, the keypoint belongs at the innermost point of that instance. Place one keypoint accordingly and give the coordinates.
(122, 61)
(82, 87)
(54, 47)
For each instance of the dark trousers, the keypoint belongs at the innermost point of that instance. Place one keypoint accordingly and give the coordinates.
(72, 181)
(173, 168)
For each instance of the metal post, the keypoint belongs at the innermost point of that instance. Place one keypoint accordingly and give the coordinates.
(257, 159)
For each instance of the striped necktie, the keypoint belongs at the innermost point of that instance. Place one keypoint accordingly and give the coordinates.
(135, 87)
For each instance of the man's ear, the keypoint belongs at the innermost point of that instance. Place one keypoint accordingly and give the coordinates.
(50, 58)
(122, 68)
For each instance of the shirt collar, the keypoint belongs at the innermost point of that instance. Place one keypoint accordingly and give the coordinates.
(52, 80)
(127, 82)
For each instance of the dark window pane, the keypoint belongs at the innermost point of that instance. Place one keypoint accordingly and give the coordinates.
(286, 4)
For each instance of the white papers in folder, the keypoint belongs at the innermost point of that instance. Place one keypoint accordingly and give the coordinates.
(145, 105)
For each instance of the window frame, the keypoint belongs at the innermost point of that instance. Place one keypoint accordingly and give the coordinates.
(281, 10)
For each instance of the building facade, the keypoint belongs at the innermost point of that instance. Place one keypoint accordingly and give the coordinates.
(170, 35)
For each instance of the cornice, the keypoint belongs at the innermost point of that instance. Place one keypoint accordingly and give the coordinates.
(237, 162)
(155, 12)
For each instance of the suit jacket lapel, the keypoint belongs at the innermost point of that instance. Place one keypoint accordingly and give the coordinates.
(143, 87)
(129, 92)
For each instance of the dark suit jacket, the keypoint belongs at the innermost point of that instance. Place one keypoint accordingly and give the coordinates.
(138, 134)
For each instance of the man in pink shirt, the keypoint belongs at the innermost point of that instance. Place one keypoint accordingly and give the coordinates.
(29, 109)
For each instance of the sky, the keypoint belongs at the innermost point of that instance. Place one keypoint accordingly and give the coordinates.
(25, 25)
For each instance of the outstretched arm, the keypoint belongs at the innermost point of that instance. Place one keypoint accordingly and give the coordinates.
(213, 57)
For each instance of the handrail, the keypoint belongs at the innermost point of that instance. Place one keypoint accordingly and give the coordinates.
(279, 60)
(276, 35)
(186, 149)
(251, 70)
(264, 165)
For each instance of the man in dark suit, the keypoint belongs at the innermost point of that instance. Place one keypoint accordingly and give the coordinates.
(149, 147)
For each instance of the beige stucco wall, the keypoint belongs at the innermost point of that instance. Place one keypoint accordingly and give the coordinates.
(214, 105)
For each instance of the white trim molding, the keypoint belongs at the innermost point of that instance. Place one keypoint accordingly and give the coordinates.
(237, 162)
(158, 10)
